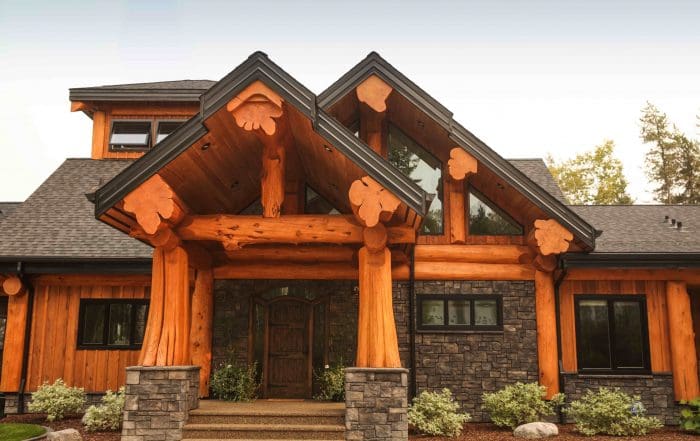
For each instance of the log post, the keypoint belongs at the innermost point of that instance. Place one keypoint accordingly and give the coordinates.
(17, 314)
(460, 165)
(260, 110)
(13, 286)
(682, 339)
(201, 331)
(372, 94)
(547, 355)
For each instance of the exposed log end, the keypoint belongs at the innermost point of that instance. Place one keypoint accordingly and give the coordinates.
(546, 264)
(374, 91)
(550, 237)
(461, 164)
(13, 286)
(375, 238)
(256, 107)
(370, 202)
(155, 205)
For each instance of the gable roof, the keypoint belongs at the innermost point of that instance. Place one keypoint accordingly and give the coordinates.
(56, 222)
(178, 91)
(374, 64)
(259, 67)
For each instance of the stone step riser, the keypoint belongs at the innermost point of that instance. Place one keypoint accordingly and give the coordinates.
(258, 435)
(267, 419)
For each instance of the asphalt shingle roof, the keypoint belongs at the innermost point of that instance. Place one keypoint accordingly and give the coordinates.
(537, 171)
(57, 220)
(641, 228)
(179, 84)
(7, 207)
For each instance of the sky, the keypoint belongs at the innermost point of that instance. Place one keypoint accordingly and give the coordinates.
(527, 77)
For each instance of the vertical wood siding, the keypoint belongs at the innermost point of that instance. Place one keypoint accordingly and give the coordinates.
(54, 335)
(657, 317)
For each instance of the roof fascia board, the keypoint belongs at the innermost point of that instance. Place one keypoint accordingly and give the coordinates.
(131, 95)
(374, 64)
(632, 260)
(77, 266)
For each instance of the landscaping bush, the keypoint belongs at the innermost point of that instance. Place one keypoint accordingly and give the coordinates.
(690, 415)
(57, 400)
(331, 383)
(233, 382)
(611, 412)
(519, 403)
(106, 416)
(436, 413)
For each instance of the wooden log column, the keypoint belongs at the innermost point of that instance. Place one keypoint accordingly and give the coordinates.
(260, 110)
(377, 343)
(17, 314)
(548, 239)
(372, 94)
(460, 165)
(682, 339)
(201, 330)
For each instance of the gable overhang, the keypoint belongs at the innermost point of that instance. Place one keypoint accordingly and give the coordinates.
(259, 68)
(374, 64)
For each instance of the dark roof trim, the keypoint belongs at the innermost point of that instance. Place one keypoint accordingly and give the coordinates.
(76, 266)
(632, 260)
(259, 67)
(374, 64)
(105, 93)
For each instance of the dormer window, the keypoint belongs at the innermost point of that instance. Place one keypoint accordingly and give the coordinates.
(130, 135)
(138, 135)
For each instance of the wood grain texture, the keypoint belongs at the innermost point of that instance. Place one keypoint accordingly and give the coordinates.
(202, 326)
(14, 343)
(13, 286)
(371, 202)
(547, 354)
(682, 339)
(155, 205)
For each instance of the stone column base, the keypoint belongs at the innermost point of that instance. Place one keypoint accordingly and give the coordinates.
(158, 401)
(376, 402)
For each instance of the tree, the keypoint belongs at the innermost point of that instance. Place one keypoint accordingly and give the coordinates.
(673, 160)
(592, 178)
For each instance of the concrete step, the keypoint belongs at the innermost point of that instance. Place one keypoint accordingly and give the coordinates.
(206, 417)
(264, 431)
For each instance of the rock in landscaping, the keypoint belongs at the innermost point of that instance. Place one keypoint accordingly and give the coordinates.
(536, 430)
(64, 435)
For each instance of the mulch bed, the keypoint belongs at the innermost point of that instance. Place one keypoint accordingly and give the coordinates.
(489, 432)
(71, 422)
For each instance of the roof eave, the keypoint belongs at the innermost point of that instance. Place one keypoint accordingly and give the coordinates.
(631, 260)
(133, 95)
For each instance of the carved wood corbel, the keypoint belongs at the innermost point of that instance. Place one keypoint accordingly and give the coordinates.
(371, 202)
(461, 164)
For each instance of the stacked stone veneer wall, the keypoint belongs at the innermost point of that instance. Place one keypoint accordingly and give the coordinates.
(12, 401)
(655, 391)
(376, 403)
(158, 401)
(472, 363)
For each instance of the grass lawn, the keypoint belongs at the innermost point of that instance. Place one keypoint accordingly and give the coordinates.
(19, 432)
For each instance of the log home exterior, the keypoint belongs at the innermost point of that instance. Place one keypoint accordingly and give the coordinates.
(250, 218)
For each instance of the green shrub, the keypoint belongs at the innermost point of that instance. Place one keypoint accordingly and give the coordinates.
(106, 416)
(611, 412)
(233, 382)
(57, 400)
(690, 415)
(436, 413)
(519, 403)
(331, 383)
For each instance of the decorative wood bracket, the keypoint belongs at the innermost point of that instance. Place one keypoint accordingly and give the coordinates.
(374, 91)
(549, 237)
(371, 202)
(256, 107)
(461, 164)
(155, 205)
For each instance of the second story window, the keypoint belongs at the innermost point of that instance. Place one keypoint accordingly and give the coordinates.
(139, 135)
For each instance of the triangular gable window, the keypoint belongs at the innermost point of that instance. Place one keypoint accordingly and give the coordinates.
(424, 169)
(314, 203)
(254, 209)
(486, 219)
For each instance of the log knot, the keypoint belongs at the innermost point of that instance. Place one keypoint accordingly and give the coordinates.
(371, 202)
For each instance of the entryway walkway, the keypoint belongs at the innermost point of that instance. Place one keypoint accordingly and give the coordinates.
(266, 419)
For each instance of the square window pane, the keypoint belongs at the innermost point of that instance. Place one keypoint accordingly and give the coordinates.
(593, 335)
(94, 324)
(485, 312)
(141, 315)
(629, 346)
(433, 312)
(165, 128)
(119, 324)
(458, 312)
(130, 134)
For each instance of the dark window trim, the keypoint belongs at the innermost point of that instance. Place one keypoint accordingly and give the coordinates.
(460, 328)
(152, 132)
(495, 207)
(103, 346)
(641, 300)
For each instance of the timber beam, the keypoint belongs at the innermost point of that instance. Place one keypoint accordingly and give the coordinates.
(235, 231)
(460, 165)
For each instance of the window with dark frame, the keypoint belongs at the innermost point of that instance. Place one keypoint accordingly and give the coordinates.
(138, 135)
(487, 219)
(612, 334)
(460, 312)
(112, 323)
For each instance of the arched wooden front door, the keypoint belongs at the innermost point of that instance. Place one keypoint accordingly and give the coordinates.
(288, 344)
